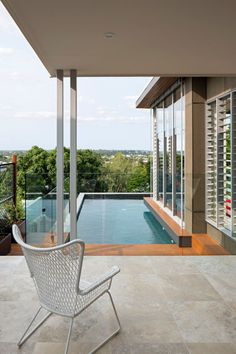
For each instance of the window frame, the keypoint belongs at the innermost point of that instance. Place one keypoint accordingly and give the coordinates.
(161, 104)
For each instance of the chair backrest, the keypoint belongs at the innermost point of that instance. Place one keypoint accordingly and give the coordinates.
(56, 272)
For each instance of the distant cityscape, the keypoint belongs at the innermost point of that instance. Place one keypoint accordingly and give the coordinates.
(6, 155)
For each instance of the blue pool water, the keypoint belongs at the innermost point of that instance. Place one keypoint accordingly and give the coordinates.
(119, 221)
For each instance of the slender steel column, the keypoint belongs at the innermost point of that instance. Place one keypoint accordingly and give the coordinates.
(14, 184)
(73, 154)
(154, 157)
(173, 162)
(60, 158)
(182, 155)
(164, 157)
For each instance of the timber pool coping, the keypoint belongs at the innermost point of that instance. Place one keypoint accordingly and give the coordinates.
(180, 236)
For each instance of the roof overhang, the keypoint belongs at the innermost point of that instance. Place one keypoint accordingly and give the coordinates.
(152, 38)
(155, 89)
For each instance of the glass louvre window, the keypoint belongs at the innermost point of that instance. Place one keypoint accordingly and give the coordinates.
(170, 152)
(224, 163)
(220, 162)
(211, 156)
(233, 164)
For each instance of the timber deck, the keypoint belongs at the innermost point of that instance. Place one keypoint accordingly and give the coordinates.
(202, 244)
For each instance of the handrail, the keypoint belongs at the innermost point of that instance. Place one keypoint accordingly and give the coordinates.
(6, 164)
(6, 199)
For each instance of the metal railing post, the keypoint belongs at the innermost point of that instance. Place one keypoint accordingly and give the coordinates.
(14, 176)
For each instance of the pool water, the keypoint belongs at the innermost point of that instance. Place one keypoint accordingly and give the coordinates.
(119, 221)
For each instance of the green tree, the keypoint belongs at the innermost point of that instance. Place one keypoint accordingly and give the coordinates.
(90, 172)
(34, 163)
(139, 180)
(118, 173)
(37, 171)
(52, 167)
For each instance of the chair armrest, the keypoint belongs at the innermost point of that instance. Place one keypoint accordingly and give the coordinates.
(101, 280)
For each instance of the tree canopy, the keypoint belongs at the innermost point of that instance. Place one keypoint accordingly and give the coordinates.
(37, 172)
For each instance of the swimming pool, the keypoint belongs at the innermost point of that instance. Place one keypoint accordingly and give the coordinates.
(119, 221)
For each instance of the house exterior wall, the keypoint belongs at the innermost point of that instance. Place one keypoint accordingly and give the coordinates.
(218, 85)
(227, 242)
(197, 92)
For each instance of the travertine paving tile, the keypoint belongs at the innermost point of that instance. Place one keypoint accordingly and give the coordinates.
(59, 348)
(167, 305)
(133, 265)
(153, 327)
(205, 321)
(118, 347)
(12, 348)
(141, 290)
(17, 287)
(14, 319)
(9, 264)
(215, 264)
(224, 285)
(177, 265)
(188, 287)
(211, 348)
(95, 323)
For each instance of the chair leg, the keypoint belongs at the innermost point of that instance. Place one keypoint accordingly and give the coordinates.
(25, 337)
(114, 308)
(114, 333)
(69, 335)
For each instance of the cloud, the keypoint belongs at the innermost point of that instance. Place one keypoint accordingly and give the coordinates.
(106, 111)
(83, 99)
(130, 101)
(103, 118)
(35, 115)
(6, 50)
(118, 119)
(15, 74)
(5, 107)
(130, 98)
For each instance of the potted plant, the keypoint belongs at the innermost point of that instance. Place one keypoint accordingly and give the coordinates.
(9, 214)
(6, 221)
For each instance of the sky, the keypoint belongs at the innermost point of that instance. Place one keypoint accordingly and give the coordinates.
(107, 117)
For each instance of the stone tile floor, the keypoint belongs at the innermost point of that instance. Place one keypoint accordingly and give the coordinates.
(167, 305)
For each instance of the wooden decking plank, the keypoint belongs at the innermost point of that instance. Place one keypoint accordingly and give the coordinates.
(200, 247)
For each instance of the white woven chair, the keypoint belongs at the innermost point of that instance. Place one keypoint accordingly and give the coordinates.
(56, 273)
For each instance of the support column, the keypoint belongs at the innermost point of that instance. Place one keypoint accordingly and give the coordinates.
(195, 98)
(73, 155)
(60, 158)
(154, 152)
(14, 183)
(164, 158)
(173, 160)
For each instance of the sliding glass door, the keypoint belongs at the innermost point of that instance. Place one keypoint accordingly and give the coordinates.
(170, 152)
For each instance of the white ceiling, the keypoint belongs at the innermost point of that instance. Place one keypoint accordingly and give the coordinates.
(153, 37)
